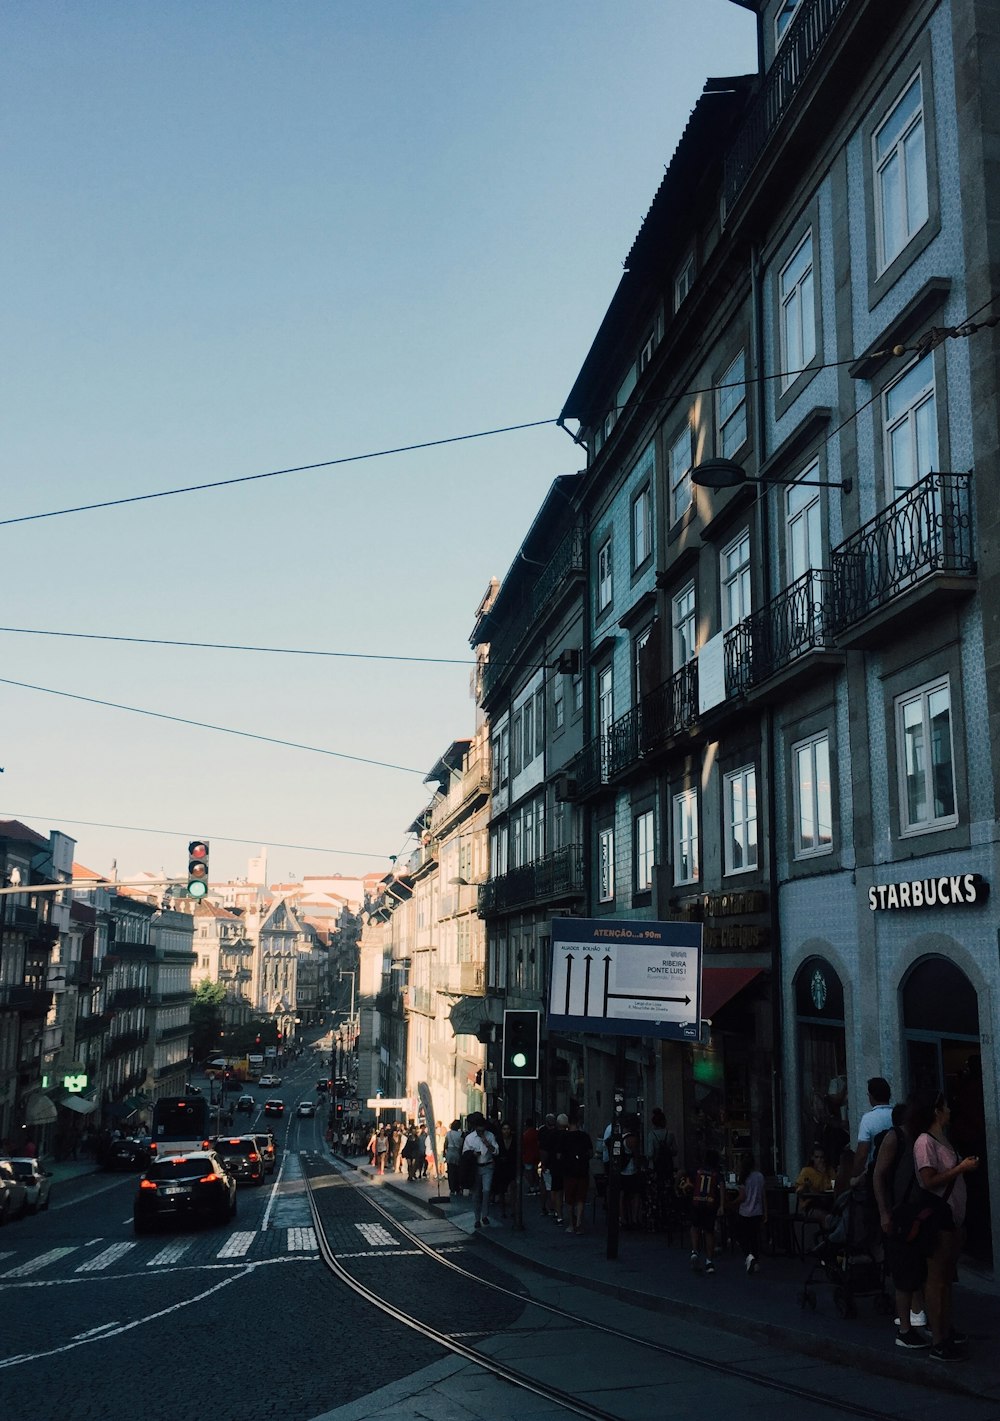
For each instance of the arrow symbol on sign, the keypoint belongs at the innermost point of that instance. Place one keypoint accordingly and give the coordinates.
(586, 985)
(607, 977)
(569, 979)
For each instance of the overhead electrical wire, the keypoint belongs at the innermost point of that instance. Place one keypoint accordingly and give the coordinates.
(927, 342)
(208, 725)
(183, 834)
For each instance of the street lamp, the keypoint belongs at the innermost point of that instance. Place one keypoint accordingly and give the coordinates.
(726, 473)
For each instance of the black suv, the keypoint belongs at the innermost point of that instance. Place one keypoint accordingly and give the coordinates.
(191, 1186)
(241, 1156)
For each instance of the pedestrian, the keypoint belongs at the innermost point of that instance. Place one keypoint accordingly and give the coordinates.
(453, 1158)
(529, 1154)
(481, 1143)
(546, 1147)
(897, 1190)
(396, 1147)
(942, 1174)
(576, 1150)
(706, 1200)
(874, 1123)
(420, 1171)
(552, 1160)
(751, 1213)
(381, 1149)
(372, 1142)
(411, 1153)
(504, 1172)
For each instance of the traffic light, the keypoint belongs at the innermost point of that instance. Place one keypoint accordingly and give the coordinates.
(197, 868)
(520, 1045)
(340, 1110)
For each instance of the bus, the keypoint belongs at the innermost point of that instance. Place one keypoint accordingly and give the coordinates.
(180, 1125)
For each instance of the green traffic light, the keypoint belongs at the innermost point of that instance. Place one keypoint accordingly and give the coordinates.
(197, 888)
(519, 1059)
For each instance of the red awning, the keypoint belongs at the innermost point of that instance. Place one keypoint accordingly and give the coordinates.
(720, 984)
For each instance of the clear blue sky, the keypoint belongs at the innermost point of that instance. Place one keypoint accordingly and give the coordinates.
(243, 236)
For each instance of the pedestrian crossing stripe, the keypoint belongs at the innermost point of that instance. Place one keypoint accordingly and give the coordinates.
(377, 1236)
(171, 1254)
(34, 1265)
(301, 1239)
(105, 1258)
(238, 1244)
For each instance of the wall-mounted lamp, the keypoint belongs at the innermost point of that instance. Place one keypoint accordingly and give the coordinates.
(726, 473)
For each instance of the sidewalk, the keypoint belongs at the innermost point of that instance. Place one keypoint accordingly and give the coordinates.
(766, 1306)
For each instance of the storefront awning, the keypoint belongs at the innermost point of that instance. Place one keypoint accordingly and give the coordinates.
(81, 1104)
(720, 984)
(39, 1110)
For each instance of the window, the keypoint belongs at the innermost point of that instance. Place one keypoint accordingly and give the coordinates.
(813, 802)
(642, 530)
(741, 819)
(732, 430)
(625, 388)
(539, 720)
(736, 582)
(605, 699)
(528, 732)
(684, 280)
(783, 19)
(558, 701)
(926, 759)
(686, 836)
(680, 474)
(578, 693)
(639, 642)
(646, 354)
(803, 527)
(798, 316)
(643, 852)
(606, 866)
(605, 586)
(909, 413)
(609, 422)
(900, 163)
(683, 625)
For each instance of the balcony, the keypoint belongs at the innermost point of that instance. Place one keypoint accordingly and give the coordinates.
(127, 1041)
(420, 1000)
(659, 718)
(128, 997)
(473, 784)
(565, 564)
(87, 1027)
(915, 553)
(590, 768)
(24, 918)
(792, 63)
(556, 876)
(389, 1002)
(784, 639)
(29, 1000)
(172, 1033)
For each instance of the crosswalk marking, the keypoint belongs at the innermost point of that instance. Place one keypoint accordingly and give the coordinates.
(170, 1254)
(105, 1258)
(237, 1245)
(8, 1254)
(300, 1239)
(42, 1261)
(376, 1236)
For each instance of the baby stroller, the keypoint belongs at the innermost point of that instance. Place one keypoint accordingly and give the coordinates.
(848, 1258)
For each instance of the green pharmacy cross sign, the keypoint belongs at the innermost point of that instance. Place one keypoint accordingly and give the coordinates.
(74, 1084)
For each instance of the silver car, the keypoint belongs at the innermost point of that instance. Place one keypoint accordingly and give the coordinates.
(13, 1193)
(36, 1180)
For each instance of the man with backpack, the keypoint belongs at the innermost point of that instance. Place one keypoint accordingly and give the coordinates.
(874, 1124)
(897, 1193)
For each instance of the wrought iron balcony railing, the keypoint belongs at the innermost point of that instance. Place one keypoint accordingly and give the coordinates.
(926, 531)
(623, 742)
(567, 561)
(557, 875)
(127, 1041)
(88, 1027)
(795, 622)
(26, 998)
(795, 58)
(590, 768)
(669, 709)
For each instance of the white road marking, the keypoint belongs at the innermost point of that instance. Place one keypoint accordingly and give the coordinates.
(105, 1258)
(42, 1261)
(9, 1253)
(302, 1239)
(377, 1236)
(170, 1254)
(378, 1253)
(94, 1331)
(237, 1244)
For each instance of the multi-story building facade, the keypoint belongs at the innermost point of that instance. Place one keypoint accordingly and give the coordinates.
(172, 963)
(787, 689)
(122, 1013)
(224, 954)
(532, 693)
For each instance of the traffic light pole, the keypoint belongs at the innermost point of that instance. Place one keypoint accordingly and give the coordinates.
(519, 1160)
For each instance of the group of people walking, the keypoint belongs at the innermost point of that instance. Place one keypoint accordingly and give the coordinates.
(393, 1147)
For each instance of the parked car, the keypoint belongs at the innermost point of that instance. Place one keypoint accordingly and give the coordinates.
(131, 1153)
(240, 1157)
(13, 1193)
(36, 1180)
(274, 1107)
(247, 1104)
(184, 1187)
(306, 1108)
(268, 1151)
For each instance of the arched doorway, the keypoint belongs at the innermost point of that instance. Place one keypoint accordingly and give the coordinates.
(941, 1033)
(821, 1052)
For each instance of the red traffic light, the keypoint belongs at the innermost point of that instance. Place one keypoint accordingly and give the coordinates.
(197, 868)
(197, 850)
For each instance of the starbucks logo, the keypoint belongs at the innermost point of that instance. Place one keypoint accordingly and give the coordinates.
(817, 989)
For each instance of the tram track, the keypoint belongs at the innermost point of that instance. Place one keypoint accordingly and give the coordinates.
(335, 1260)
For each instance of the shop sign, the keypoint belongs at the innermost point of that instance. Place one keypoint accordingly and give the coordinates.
(955, 890)
(746, 937)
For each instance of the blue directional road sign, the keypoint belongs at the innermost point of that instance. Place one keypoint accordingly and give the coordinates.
(626, 978)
